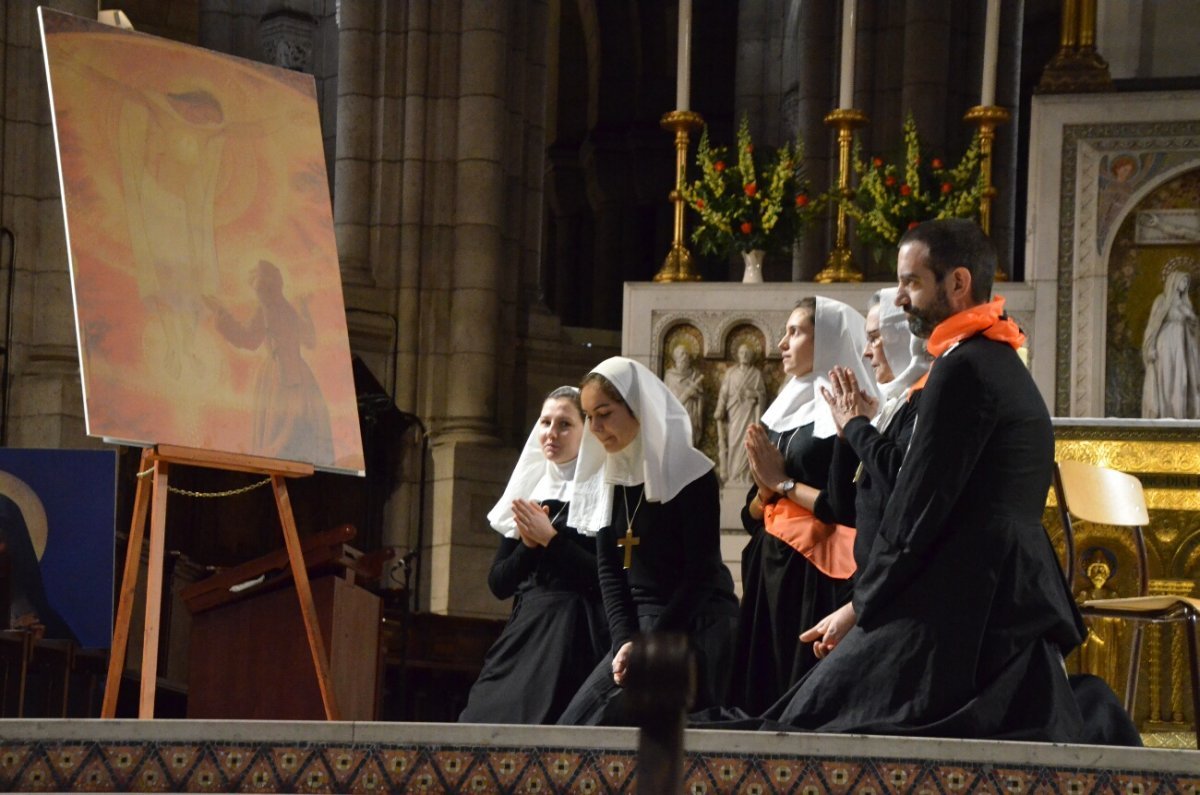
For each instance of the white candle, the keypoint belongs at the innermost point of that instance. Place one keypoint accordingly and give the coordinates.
(683, 68)
(846, 86)
(991, 42)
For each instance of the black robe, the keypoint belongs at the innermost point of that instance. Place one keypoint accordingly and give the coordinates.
(963, 615)
(866, 462)
(553, 637)
(677, 582)
(783, 594)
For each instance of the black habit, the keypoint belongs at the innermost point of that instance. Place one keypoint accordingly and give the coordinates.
(553, 637)
(866, 462)
(783, 594)
(963, 615)
(676, 582)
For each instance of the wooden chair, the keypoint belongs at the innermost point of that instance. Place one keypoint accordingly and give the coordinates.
(1110, 497)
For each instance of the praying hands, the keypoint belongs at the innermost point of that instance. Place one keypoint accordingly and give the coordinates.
(533, 523)
(846, 401)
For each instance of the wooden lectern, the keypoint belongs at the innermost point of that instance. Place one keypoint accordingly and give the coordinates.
(248, 656)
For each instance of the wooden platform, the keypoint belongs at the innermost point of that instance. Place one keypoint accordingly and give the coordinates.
(268, 756)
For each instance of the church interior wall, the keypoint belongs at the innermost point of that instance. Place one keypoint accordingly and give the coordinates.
(499, 184)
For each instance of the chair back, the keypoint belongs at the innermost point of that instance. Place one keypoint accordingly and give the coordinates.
(1103, 496)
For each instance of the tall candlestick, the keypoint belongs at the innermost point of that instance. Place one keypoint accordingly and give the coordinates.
(683, 67)
(846, 86)
(991, 41)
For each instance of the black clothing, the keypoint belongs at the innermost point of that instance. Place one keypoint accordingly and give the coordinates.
(783, 594)
(963, 615)
(859, 496)
(553, 637)
(676, 582)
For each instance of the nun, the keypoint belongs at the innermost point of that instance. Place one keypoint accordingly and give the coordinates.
(872, 438)
(651, 499)
(797, 564)
(556, 631)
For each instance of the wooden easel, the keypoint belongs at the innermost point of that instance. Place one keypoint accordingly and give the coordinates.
(151, 495)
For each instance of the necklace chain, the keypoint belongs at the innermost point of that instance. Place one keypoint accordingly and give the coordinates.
(625, 498)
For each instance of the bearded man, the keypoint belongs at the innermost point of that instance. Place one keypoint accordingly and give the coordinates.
(960, 615)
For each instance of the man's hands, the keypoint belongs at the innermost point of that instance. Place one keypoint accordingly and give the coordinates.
(830, 630)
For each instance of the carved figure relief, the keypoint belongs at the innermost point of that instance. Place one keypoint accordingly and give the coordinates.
(687, 383)
(741, 402)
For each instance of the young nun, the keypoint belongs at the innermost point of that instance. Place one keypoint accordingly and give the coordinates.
(796, 565)
(556, 631)
(872, 439)
(652, 500)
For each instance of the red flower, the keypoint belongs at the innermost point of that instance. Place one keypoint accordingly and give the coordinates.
(936, 163)
(890, 181)
(699, 204)
(913, 224)
(905, 190)
(719, 166)
(801, 200)
(947, 187)
(877, 162)
(746, 227)
(751, 189)
(749, 149)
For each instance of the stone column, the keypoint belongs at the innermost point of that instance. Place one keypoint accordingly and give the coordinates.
(45, 401)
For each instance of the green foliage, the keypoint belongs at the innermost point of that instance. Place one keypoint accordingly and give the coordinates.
(893, 197)
(752, 198)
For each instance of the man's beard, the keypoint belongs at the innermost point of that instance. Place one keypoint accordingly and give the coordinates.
(922, 322)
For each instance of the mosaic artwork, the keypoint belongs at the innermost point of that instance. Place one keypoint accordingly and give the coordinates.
(207, 291)
(211, 767)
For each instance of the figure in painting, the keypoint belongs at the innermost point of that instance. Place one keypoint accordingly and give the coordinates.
(687, 384)
(291, 419)
(170, 153)
(1171, 349)
(740, 404)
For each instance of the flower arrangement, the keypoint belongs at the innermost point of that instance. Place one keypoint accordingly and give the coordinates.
(749, 199)
(892, 198)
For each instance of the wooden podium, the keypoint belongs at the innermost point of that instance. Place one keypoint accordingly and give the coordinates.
(248, 655)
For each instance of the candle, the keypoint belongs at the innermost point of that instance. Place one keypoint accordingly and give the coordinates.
(846, 86)
(683, 67)
(991, 41)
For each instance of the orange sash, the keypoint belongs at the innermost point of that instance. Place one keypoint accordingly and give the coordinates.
(829, 547)
(988, 319)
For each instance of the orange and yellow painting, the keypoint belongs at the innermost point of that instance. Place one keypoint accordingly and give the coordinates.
(208, 300)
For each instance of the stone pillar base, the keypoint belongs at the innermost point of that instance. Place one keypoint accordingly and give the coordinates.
(468, 479)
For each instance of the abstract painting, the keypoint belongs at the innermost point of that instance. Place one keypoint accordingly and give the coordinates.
(208, 299)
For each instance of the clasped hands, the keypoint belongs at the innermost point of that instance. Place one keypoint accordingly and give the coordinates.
(533, 523)
(846, 401)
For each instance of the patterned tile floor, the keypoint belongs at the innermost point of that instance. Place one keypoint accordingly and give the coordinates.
(170, 756)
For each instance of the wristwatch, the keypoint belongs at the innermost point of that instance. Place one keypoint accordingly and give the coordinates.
(785, 487)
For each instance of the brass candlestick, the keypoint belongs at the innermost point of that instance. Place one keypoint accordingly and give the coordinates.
(987, 118)
(679, 266)
(840, 265)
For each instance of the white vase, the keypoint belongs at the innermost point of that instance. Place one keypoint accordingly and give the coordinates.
(754, 261)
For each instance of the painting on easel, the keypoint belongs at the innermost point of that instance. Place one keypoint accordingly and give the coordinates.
(57, 512)
(208, 300)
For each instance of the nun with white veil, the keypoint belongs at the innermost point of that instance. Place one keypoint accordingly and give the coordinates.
(872, 438)
(798, 560)
(652, 501)
(556, 631)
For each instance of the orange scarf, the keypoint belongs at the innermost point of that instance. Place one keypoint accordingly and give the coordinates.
(988, 319)
(829, 547)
